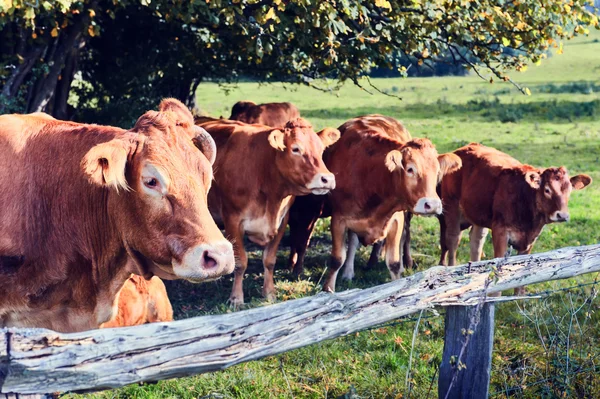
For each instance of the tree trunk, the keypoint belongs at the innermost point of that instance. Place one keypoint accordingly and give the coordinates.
(61, 109)
(14, 83)
(65, 46)
(190, 101)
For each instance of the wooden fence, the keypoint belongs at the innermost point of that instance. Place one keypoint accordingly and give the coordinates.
(37, 361)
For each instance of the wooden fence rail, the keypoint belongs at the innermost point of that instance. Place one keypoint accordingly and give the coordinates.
(41, 361)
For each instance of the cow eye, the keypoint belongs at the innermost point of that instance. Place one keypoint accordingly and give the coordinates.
(296, 150)
(410, 170)
(151, 182)
(547, 190)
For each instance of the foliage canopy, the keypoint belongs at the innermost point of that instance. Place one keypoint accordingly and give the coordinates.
(133, 52)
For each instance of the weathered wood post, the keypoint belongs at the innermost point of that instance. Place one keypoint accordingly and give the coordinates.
(467, 375)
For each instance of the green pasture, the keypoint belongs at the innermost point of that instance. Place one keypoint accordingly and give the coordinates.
(554, 355)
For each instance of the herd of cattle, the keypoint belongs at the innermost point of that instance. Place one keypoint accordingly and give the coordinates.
(92, 217)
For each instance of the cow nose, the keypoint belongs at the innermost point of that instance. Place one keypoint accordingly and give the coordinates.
(327, 180)
(322, 183)
(217, 259)
(561, 216)
(428, 206)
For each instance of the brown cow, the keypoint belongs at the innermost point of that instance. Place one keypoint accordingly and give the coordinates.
(269, 114)
(495, 191)
(378, 176)
(301, 226)
(84, 206)
(259, 170)
(141, 301)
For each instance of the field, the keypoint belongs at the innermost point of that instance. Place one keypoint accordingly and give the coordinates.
(557, 125)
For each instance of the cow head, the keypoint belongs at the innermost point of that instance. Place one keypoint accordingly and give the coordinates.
(299, 156)
(157, 184)
(240, 107)
(553, 188)
(418, 169)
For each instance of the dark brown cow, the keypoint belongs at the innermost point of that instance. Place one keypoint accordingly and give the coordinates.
(378, 176)
(269, 114)
(84, 206)
(258, 172)
(141, 301)
(495, 191)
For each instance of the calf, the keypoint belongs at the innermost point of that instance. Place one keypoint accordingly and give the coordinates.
(378, 177)
(269, 114)
(258, 171)
(495, 191)
(85, 206)
(141, 301)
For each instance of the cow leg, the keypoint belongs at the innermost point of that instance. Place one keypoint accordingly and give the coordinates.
(338, 230)
(393, 257)
(476, 240)
(270, 258)
(443, 246)
(350, 255)
(406, 256)
(452, 230)
(519, 291)
(500, 241)
(375, 253)
(301, 229)
(234, 231)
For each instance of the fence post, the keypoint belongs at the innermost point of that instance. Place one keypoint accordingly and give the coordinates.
(473, 373)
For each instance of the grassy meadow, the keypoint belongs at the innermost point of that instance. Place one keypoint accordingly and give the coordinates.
(543, 348)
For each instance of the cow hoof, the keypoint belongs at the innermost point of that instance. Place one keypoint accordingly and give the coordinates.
(348, 277)
(269, 296)
(235, 302)
(327, 288)
(520, 291)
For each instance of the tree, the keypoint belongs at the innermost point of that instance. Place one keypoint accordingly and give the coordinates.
(130, 53)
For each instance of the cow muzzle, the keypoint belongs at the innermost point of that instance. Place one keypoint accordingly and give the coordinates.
(205, 262)
(559, 216)
(322, 183)
(428, 206)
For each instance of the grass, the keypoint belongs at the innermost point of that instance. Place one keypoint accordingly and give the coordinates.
(557, 125)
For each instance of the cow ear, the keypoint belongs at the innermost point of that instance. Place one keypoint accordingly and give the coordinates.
(393, 160)
(580, 181)
(205, 143)
(105, 163)
(533, 179)
(276, 139)
(329, 135)
(449, 163)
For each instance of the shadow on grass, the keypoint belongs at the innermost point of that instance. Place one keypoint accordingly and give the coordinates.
(484, 109)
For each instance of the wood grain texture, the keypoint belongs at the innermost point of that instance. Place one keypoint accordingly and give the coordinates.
(473, 380)
(46, 361)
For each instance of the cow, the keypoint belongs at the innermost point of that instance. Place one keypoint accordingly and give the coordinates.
(494, 191)
(258, 172)
(141, 301)
(84, 206)
(380, 173)
(301, 227)
(269, 114)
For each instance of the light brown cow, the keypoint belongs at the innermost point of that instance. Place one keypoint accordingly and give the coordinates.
(258, 172)
(269, 114)
(84, 206)
(378, 176)
(141, 301)
(494, 191)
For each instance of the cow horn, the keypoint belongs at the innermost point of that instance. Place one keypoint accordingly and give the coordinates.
(205, 144)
